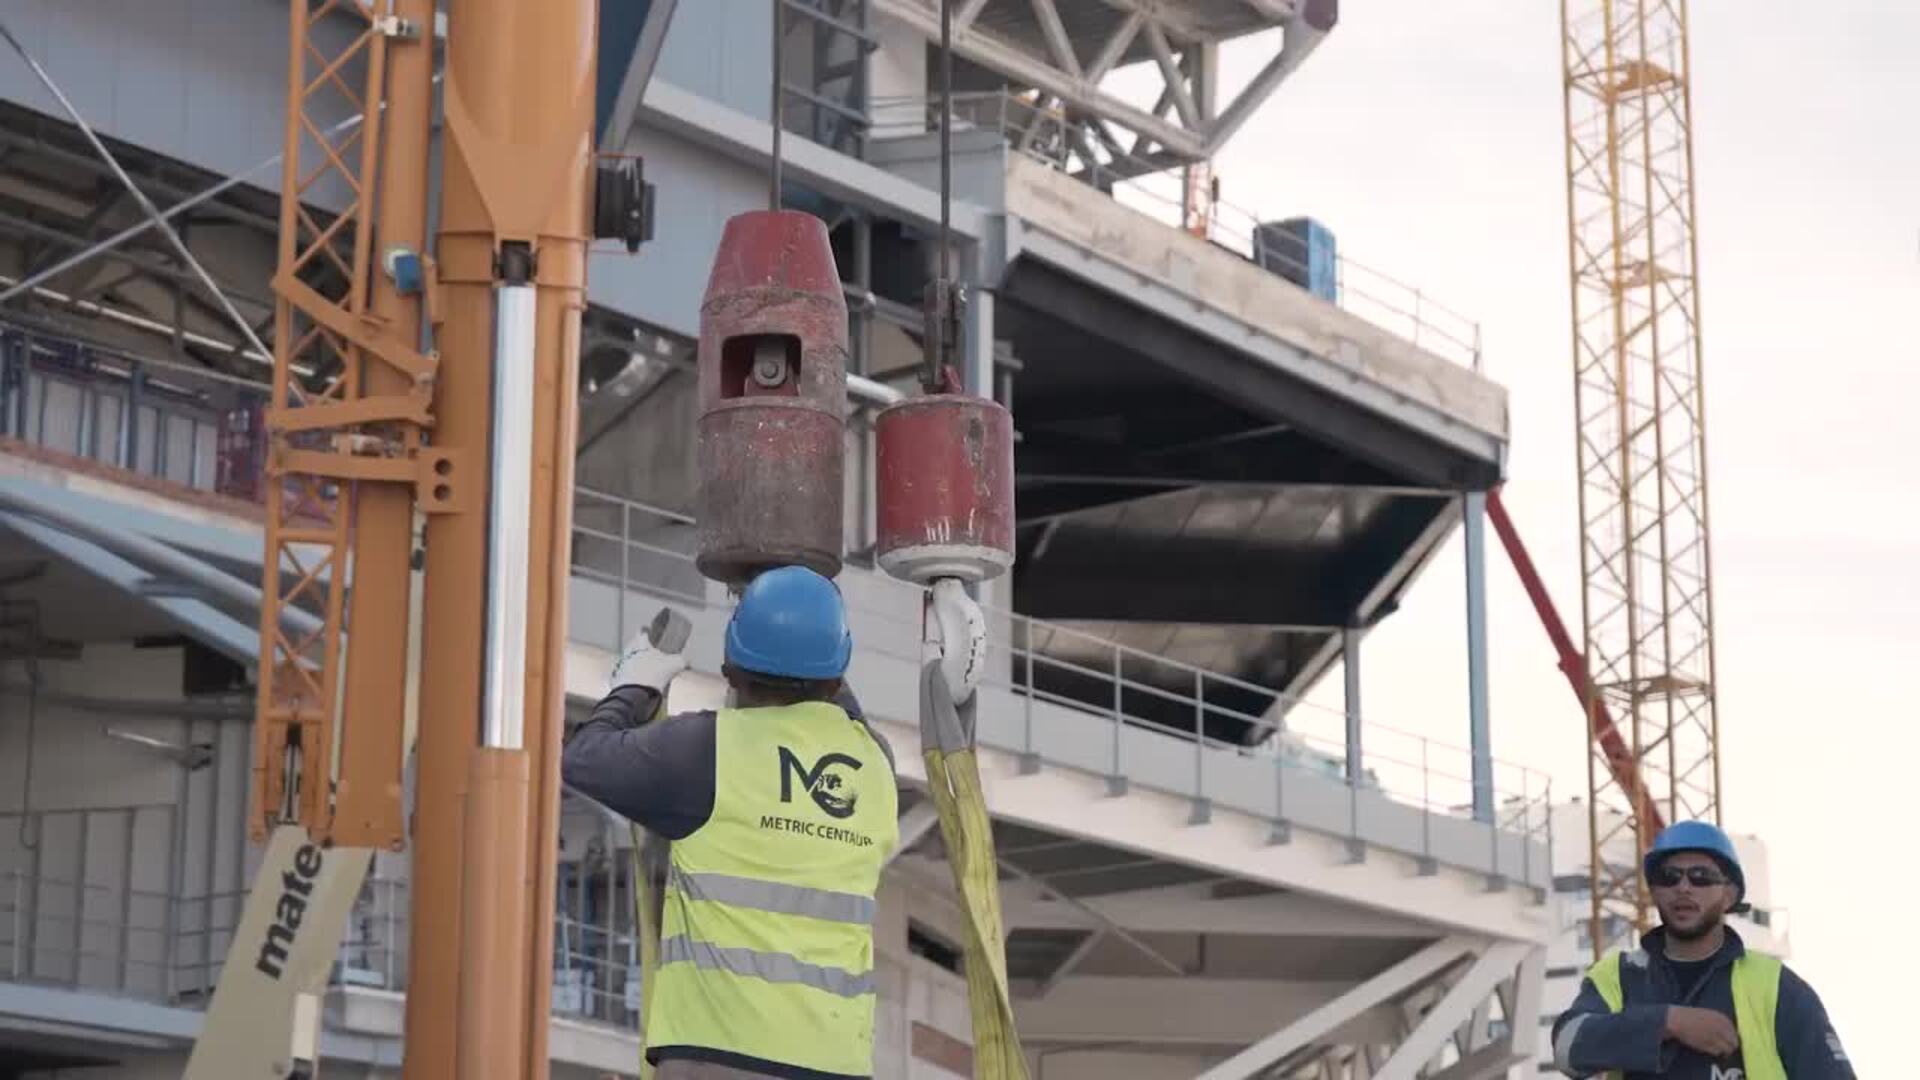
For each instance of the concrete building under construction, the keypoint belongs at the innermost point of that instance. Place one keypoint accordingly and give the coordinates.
(1236, 451)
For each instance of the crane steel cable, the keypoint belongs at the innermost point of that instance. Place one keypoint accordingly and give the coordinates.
(777, 112)
(947, 708)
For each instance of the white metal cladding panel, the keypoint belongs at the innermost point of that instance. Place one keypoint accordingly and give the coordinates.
(722, 50)
(61, 418)
(203, 81)
(695, 192)
(109, 409)
(146, 438)
(179, 449)
(86, 421)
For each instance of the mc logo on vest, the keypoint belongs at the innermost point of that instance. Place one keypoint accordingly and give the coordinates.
(828, 782)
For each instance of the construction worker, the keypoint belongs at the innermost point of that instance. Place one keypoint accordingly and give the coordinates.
(1692, 1003)
(781, 811)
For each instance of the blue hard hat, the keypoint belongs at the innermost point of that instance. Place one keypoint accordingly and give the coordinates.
(791, 624)
(1700, 836)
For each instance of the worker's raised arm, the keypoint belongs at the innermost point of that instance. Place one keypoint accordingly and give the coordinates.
(659, 774)
(1590, 1038)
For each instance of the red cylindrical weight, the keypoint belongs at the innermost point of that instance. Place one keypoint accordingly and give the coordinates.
(773, 384)
(945, 488)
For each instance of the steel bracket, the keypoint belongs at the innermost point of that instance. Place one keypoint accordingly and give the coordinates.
(369, 333)
(414, 407)
(394, 26)
(437, 475)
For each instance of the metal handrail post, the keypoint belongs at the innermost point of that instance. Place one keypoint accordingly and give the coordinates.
(19, 924)
(1426, 801)
(1029, 762)
(1199, 733)
(1116, 782)
(1526, 834)
(626, 547)
(126, 892)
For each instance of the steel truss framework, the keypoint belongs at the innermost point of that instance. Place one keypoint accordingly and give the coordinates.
(1447, 1006)
(1059, 54)
(1640, 403)
(1461, 1010)
(331, 429)
(87, 256)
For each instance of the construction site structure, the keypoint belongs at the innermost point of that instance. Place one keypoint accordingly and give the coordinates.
(1224, 481)
(1640, 411)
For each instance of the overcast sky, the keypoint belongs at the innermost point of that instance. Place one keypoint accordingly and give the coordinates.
(1429, 138)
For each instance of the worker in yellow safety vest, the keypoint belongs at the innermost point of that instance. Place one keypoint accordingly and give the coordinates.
(1693, 1003)
(781, 811)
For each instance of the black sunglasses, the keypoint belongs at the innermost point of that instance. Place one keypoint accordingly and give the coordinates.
(1700, 877)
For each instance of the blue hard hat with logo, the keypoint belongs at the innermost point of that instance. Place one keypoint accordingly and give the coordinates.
(791, 624)
(1700, 836)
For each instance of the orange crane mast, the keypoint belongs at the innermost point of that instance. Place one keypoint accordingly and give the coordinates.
(475, 432)
(1647, 598)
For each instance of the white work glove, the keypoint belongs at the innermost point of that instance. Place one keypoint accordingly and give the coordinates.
(640, 664)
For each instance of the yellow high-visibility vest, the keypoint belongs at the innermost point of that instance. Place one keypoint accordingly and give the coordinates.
(1756, 998)
(766, 940)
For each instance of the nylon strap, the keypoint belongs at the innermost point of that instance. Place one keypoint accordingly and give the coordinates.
(953, 782)
(953, 779)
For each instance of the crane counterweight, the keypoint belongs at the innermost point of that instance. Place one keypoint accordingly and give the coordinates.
(773, 384)
(944, 507)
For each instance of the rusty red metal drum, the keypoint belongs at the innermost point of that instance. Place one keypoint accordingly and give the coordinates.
(772, 400)
(945, 488)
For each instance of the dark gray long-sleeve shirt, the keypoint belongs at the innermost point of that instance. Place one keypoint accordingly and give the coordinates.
(660, 775)
(1590, 1038)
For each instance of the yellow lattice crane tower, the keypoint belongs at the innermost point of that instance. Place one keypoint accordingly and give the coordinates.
(1639, 397)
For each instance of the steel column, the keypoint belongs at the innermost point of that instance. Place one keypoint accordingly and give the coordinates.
(1350, 663)
(517, 175)
(379, 610)
(1480, 736)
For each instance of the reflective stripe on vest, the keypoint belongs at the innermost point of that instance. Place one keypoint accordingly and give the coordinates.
(766, 943)
(1756, 999)
(772, 967)
(776, 897)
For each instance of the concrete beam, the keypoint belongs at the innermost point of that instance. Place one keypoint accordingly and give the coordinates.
(1221, 295)
(1189, 1011)
(1186, 909)
(743, 138)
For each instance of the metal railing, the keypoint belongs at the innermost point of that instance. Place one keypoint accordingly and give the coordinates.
(93, 899)
(647, 550)
(190, 426)
(88, 924)
(1157, 189)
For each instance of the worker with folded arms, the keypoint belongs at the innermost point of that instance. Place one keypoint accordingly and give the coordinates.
(1692, 1003)
(781, 811)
